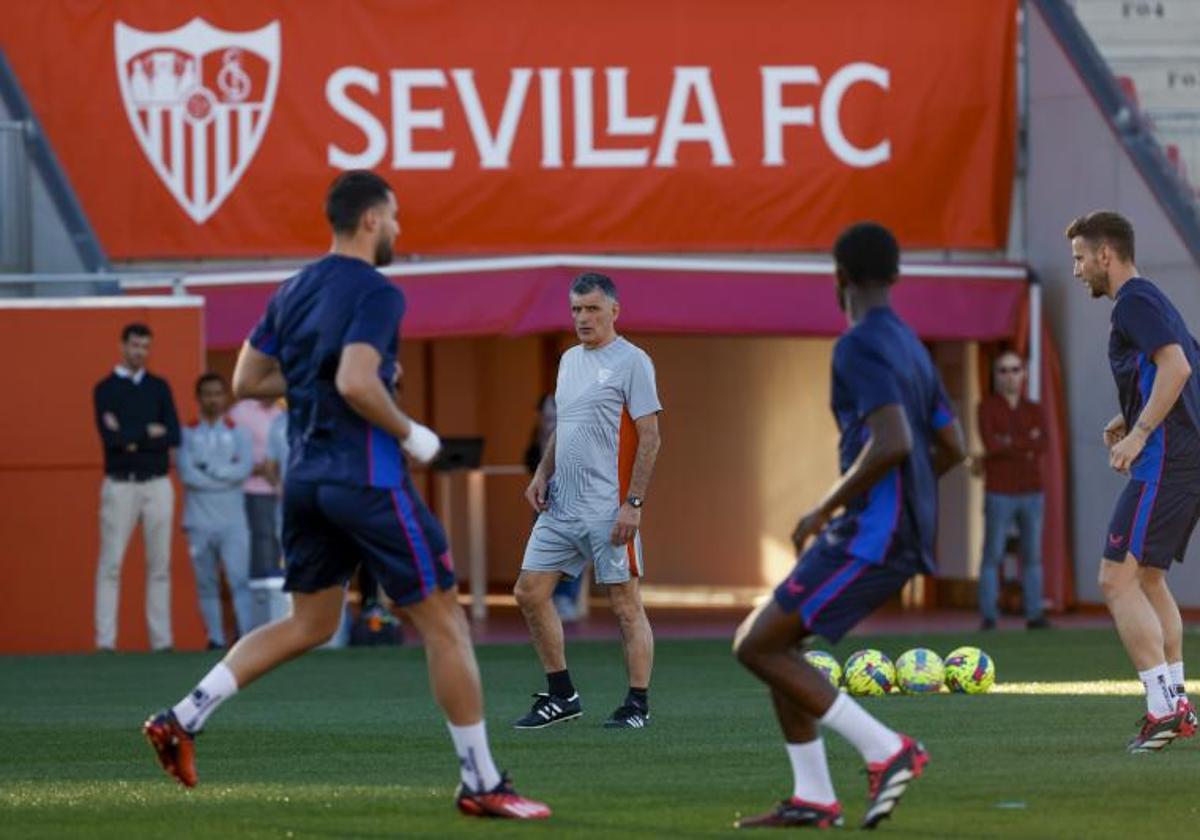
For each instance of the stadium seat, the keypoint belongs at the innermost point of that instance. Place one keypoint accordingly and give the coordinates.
(1114, 24)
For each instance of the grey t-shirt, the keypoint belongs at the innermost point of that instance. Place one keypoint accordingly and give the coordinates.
(596, 389)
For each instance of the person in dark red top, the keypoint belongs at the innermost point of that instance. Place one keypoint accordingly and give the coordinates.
(1014, 435)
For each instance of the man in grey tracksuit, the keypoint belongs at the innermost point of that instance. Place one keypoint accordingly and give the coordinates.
(214, 461)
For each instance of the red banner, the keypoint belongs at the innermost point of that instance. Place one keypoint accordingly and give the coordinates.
(212, 128)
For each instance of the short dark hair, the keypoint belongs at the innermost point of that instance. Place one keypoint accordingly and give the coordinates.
(867, 254)
(1105, 226)
(137, 328)
(590, 281)
(350, 195)
(210, 376)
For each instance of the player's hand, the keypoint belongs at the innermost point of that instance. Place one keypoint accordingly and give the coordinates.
(629, 519)
(156, 430)
(110, 421)
(535, 493)
(422, 442)
(1125, 451)
(809, 524)
(1114, 431)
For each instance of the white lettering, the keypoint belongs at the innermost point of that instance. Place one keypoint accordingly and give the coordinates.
(775, 115)
(831, 123)
(548, 78)
(493, 151)
(587, 156)
(405, 119)
(676, 130)
(620, 124)
(364, 120)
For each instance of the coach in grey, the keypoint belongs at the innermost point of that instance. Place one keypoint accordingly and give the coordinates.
(214, 461)
(589, 490)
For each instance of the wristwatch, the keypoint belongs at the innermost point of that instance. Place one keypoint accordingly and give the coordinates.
(635, 501)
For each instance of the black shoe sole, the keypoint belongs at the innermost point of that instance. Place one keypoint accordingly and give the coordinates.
(562, 719)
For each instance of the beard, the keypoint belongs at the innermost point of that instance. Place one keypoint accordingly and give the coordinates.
(383, 252)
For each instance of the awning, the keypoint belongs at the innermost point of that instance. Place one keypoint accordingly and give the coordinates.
(528, 295)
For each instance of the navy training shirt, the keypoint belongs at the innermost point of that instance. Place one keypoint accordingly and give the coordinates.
(1143, 321)
(878, 362)
(333, 302)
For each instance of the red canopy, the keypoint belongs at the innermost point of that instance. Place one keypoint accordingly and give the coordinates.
(524, 296)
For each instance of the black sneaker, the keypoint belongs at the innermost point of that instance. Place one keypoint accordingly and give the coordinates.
(548, 710)
(1039, 623)
(795, 813)
(628, 716)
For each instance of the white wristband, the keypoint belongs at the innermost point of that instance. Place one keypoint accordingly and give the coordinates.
(422, 443)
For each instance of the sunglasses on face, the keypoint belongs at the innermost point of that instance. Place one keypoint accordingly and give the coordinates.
(1008, 370)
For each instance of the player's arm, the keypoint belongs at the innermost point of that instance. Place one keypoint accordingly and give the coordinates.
(949, 448)
(361, 387)
(890, 442)
(1114, 430)
(257, 375)
(1173, 370)
(535, 493)
(629, 518)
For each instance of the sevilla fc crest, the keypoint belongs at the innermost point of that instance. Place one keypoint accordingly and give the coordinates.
(199, 100)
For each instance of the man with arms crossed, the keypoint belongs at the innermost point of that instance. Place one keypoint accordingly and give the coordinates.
(898, 435)
(588, 491)
(329, 338)
(1155, 441)
(135, 415)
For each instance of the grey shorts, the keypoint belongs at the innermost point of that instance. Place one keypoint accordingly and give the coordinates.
(567, 546)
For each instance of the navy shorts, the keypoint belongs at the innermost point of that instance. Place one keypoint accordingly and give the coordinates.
(832, 591)
(329, 529)
(1153, 522)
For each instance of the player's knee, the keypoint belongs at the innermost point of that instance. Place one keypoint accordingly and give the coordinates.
(748, 650)
(1115, 580)
(527, 593)
(1151, 579)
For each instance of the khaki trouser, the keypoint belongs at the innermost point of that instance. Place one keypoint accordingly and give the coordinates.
(122, 503)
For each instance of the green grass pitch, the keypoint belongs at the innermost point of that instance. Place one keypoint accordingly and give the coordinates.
(349, 744)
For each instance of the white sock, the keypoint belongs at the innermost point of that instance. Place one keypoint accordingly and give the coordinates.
(1178, 686)
(810, 772)
(475, 763)
(874, 741)
(217, 686)
(1158, 690)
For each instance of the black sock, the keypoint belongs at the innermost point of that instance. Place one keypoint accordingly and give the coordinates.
(560, 683)
(639, 697)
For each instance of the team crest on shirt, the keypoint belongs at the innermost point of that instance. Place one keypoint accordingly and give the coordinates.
(198, 99)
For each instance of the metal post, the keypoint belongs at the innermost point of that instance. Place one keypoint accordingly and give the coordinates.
(477, 542)
(1035, 339)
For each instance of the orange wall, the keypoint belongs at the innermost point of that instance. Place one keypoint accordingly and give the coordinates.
(51, 468)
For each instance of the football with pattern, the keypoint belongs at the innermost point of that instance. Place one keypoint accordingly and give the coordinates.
(869, 673)
(920, 671)
(969, 670)
(826, 664)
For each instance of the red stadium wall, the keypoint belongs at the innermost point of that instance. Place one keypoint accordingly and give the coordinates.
(51, 468)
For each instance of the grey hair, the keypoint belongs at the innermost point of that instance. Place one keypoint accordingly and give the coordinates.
(590, 281)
